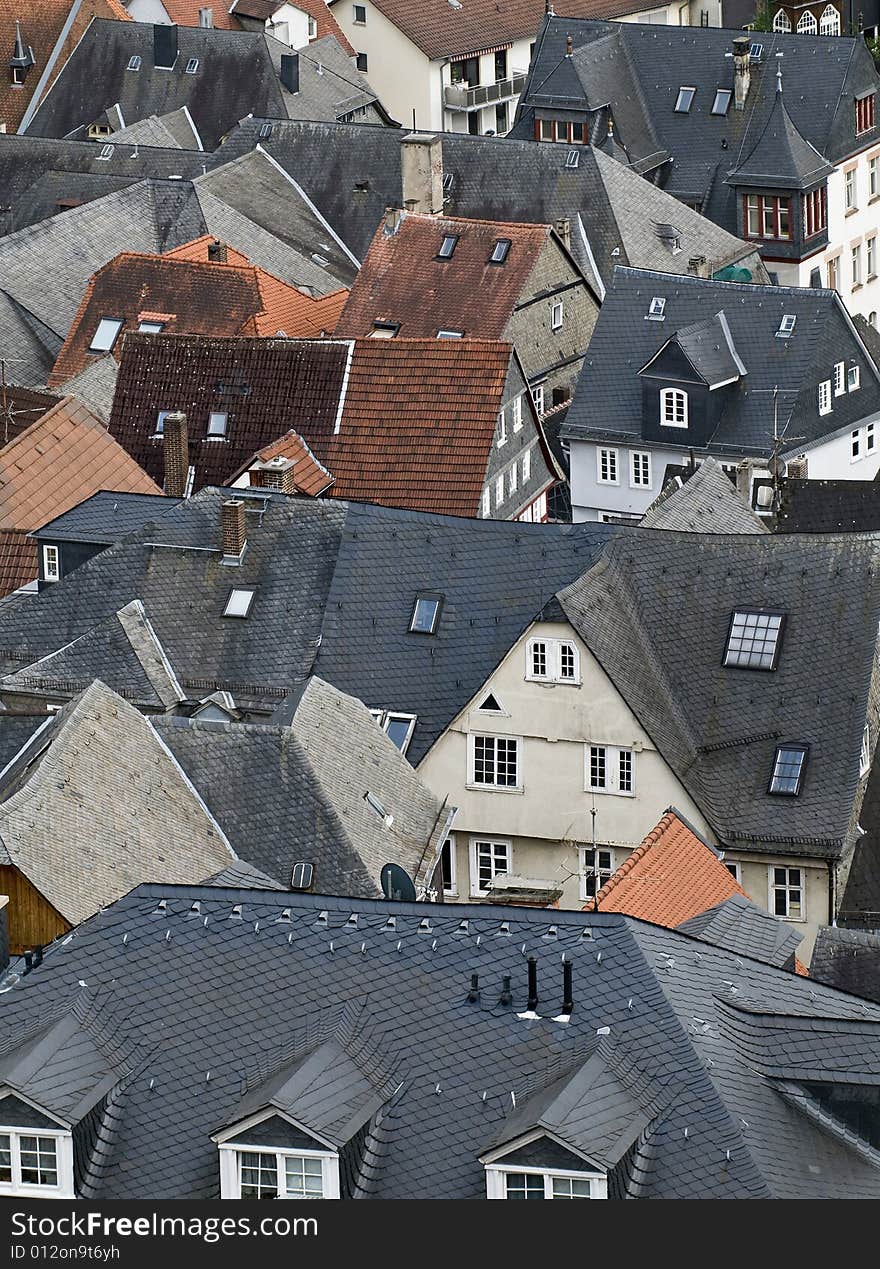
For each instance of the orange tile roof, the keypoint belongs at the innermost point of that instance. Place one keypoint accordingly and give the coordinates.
(401, 280)
(186, 13)
(19, 561)
(309, 476)
(671, 877)
(198, 250)
(299, 316)
(63, 458)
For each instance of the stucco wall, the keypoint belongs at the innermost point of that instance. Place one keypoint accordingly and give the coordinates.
(406, 83)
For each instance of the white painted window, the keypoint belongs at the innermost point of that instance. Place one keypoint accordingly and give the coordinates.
(51, 564)
(516, 413)
(829, 22)
(640, 469)
(673, 407)
(359, 15)
(610, 769)
(262, 1172)
(781, 22)
(735, 869)
(511, 479)
(517, 1182)
(502, 428)
(849, 188)
(151, 328)
(865, 755)
(106, 334)
(486, 506)
(871, 257)
(36, 1162)
(397, 727)
(596, 867)
(753, 640)
(852, 378)
(874, 177)
(607, 473)
(499, 490)
(787, 897)
(807, 24)
(538, 397)
(552, 661)
(490, 858)
(494, 762)
(839, 378)
(217, 424)
(239, 602)
(825, 396)
(855, 445)
(527, 465)
(556, 315)
(856, 257)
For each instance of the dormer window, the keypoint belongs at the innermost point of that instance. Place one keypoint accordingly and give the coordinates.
(753, 639)
(768, 216)
(684, 100)
(447, 247)
(673, 408)
(807, 24)
(500, 251)
(865, 113)
(34, 1162)
(151, 328)
(782, 22)
(106, 334)
(384, 330)
(267, 1173)
(517, 1182)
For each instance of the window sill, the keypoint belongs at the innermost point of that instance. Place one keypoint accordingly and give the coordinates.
(851, 211)
(494, 788)
(611, 793)
(613, 484)
(533, 678)
(875, 198)
(872, 277)
(856, 286)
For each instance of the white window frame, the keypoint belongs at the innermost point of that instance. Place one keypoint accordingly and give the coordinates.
(839, 378)
(734, 867)
(215, 435)
(452, 888)
(849, 189)
(856, 264)
(105, 325)
(385, 716)
(230, 1167)
(557, 315)
(63, 1162)
(51, 572)
(512, 473)
(238, 596)
(496, 1179)
(517, 412)
(612, 463)
(553, 648)
(538, 398)
(502, 428)
(670, 399)
(874, 176)
(489, 786)
(486, 503)
(855, 446)
(640, 463)
(475, 843)
(865, 755)
(499, 490)
(602, 874)
(852, 379)
(825, 406)
(782, 22)
(527, 465)
(612, 769)
(774, 887)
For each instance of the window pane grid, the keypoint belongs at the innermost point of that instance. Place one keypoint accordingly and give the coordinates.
(524, 1185)
(597, 767)
(495, 761)
(39, 1164)
(6, 1158)
(566, 661)
(787, 770)
(788, 893)
(259, 1176)
(491, 862)
(539, 660)
(303, 1178)
(753, 640)
(626, 771)
(567, 1187)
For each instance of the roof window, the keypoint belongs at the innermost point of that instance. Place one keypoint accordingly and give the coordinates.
(684, 100)
(384, 330)
(447, 247)
(788, 769)
(302, 876)
(449, 334)
(500, 251)
(239, 602)
(753, 639)
(217, 420)
(373, 802)
(786, 326)
(151, 328)
(722, 101)
(572, 159)
(448, 181)
(265, 131)
(656, 309)
(106, 152)
(134, 63)
(755, 51)
(192, 66)
(425, 614)
(106, 335)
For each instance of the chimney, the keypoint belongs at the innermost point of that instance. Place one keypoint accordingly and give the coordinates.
(4, 931)
(421, 170)
(233, 531)
(164, 46)
(290, 71)
(277, 473)
(533, 984)
(569, 46)
(216, 252)
(474, 993)
(744, 480)
(697, 267)
(393, 220)
(796, 468)
(563, 231)
(175, 445)
(741, 74)
(567, 993)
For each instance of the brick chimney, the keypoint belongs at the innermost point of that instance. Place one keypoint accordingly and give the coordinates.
(698, 267)
(421, 173)
(393, 220)
(742, 77)
(277, 473)
(175, 445)
(233, 530)
(563, 231)
(216, 252)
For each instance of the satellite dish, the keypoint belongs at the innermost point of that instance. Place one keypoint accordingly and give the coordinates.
(396, 884)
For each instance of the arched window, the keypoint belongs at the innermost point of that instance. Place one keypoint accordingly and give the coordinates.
(782, 22)
(807, 24)
(829, 23)
(673, 408)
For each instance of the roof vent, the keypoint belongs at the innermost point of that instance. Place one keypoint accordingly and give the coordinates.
(374, 803)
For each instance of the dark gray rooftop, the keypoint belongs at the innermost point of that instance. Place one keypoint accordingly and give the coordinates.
(849, 960)
(106, 517)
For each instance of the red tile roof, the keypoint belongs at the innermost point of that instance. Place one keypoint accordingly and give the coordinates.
(19, 561)
(19, 408)
(186, 13)
(671, 877)
(401, 279)
(198, 250)
(42, 22)
(66, 456)
(288, 311)
(310, 477)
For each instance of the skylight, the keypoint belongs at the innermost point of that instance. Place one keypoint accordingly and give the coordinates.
(499, 251)
(134, 63)
(786, 325)
(656, 308)
(425, 614)
(449, 334)
(265, 131)
(447, 246)
(239, 602)
(788, 769)
(302, 876)
(755, 50)
(448, 181)
(721, 102)
(105, 336)
(684, 100)
(151, 328)
(572, 159)
(217, 423)
(384, 330)
(106, 152)
(753, 640)
(192, 66)
(399, 728)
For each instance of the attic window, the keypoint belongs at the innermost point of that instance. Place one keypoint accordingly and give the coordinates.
(151, 328)
(500, 251)
(449, 334)
(192, 66)
(865, 755)
(106, 152)
(786, 326)
(134, 63)
(425, 614)
(239, 602)
(788, 769)
(265, 131)
(106, 335)
(217, 420)
(491, 705)
(447, 247)
(384, 330)
(373, 802)
(572, 159)
(302, 876)
(448, 181)
(34, 1163)
(684, 101)
(722, 101)
(656, 309)
(753, 639)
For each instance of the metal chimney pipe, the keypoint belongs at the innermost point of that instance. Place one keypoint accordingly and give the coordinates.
(474, 993)
(533, 983)
(567, 1001)
(506, 994)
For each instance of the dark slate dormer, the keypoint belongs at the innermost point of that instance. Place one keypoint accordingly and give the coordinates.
(688, 382)
(782, 186)
(22, 57)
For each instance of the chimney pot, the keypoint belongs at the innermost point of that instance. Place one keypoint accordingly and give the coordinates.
(741, 70)
(393, 220)
(175, 444)
(569, 46)
(533, 984)
(217, 252)
(234, 532)
(276, 474)
(474, 993)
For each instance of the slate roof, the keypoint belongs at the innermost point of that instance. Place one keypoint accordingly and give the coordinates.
(325, 21)
(335, 586)
(66, 456)
(608, 399)
(781, 156)
(143, 820)
(741, 926)
(94, 387)
(657, 619)
(106, 517)
(681, 1049)
(15, 731)
(849, 960)
(297, 793)
(707, 502)
(828, 506)
(153, 130)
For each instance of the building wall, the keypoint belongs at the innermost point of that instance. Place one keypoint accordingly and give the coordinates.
(152, 11)
(406, 82)
(508, 451)
(552, 812)
(32, 920)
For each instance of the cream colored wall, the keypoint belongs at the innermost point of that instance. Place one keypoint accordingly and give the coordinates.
(398, 72)
(553, 809)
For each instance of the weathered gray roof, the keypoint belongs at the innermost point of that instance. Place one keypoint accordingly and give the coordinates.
(741, 926)
(95, 386)
(707, 502)
(106, 517)
(848, 959)
(781, 157)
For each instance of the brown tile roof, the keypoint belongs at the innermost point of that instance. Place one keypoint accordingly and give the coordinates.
(191, 297)
(66, 456)
(310, 477)
(401, 279)
(19, 562)
(671, 877)
(186, 13)
(198, 250)
(42, 22)
(19, 408)
(325, 21)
